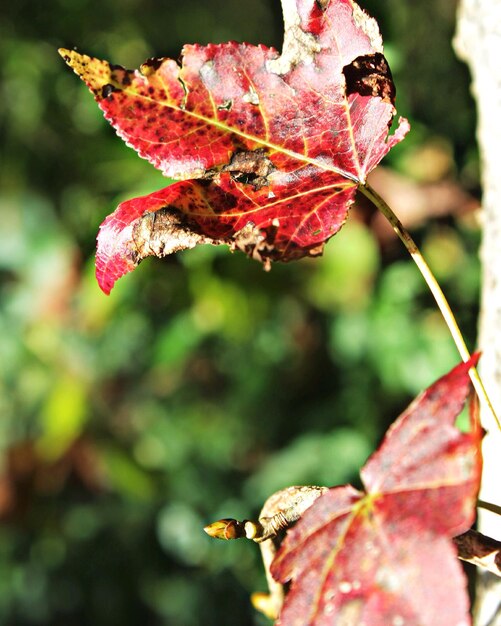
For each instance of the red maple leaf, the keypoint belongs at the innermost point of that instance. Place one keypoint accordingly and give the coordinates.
(274, 147)
(384, 556)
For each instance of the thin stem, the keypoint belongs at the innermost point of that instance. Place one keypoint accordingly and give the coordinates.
(435, 289)
(488, 506)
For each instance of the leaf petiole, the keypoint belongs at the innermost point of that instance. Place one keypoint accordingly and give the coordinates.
(435, 289)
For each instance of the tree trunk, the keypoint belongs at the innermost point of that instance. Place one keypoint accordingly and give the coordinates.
(478, 42)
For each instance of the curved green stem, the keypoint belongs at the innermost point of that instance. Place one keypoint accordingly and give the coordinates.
(435, 289)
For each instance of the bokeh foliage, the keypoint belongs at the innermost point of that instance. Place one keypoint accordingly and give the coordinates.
(202, 384)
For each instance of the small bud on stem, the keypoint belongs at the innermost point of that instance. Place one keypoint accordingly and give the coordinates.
(226, 529)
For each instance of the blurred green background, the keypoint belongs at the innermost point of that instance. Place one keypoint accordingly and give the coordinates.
(203, 384)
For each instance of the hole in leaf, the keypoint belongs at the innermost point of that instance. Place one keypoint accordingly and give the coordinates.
(370, 75)
(225, 106)
(186, 91)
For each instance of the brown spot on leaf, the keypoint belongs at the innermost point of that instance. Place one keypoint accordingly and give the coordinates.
(114, 67)
(168, 230)
(251, 241)
(251, 167)
(107, 90)
(370, 75)
(126, 79)
(164, 232)
(150, 66)
(259, 244)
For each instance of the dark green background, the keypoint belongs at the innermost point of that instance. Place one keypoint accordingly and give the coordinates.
(203, 384)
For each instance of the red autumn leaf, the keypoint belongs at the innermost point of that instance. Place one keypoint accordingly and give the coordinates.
(275, 146)
(385, 556)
